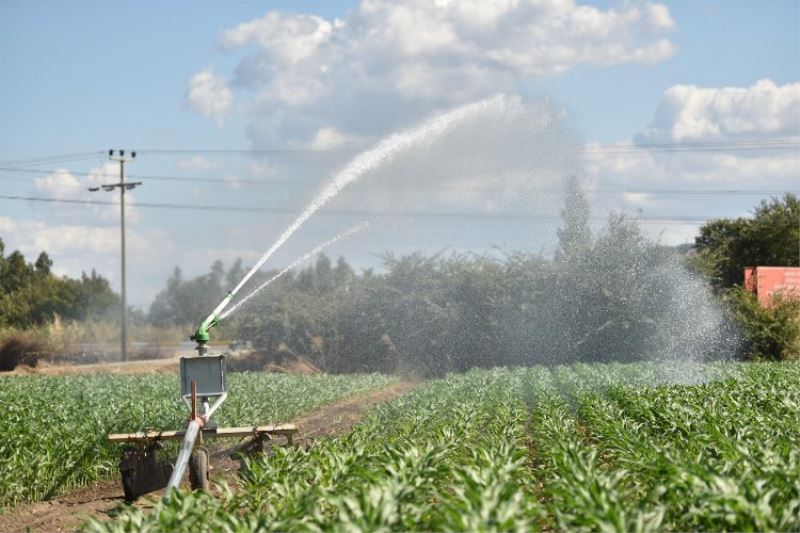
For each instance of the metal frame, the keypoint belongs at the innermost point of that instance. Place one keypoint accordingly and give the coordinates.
(208, 385)
(203, 378)
(150, 436)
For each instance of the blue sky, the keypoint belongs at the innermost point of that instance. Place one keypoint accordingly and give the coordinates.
(88, 75)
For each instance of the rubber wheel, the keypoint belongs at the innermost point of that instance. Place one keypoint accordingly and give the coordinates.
(198, 469)
(128, 472)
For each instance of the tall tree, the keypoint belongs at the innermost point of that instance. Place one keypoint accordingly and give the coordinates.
(187, 301)
(43, 264)
(574, 235)
(343, 274)
(30, 294)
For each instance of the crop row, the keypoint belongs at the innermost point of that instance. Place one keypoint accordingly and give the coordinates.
(53, 429)
(585, 447)
(451, 455)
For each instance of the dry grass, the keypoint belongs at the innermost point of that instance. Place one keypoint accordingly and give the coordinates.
(84, 342)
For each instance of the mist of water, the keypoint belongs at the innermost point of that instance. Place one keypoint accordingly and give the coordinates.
(621, 298)
(694, 329)
(376, 156)
(319, 248)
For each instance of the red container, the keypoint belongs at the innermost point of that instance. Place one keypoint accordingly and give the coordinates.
(765, 281)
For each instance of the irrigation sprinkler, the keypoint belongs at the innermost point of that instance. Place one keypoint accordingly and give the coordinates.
(144, 468)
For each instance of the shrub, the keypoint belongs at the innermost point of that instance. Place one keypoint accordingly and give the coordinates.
(770, 333)
(19, 350)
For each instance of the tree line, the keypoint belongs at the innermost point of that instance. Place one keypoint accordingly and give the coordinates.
(610, 296)
(30, 294)
(607, 295)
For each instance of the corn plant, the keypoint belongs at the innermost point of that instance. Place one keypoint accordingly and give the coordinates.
(53, 432)
(584, 447)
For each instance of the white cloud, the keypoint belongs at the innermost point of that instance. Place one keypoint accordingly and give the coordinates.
(60, 184)
(33, 236)
(658, 17)
(389, 62)
(637, 198)
(687, 113)
(672, 235)
(210, 95)
(64, 185)
(260, 169)
(77, 248)
(625, 164)
(524, 152)
(197, 162)
(232, 182)
(691, 113)
(327, 138)
(287, 37)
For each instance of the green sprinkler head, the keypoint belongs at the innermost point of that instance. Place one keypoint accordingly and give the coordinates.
(201, 336)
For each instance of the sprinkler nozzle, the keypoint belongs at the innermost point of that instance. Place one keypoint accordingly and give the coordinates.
(202, 336)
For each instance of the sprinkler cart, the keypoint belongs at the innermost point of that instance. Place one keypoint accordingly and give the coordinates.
(143, 464)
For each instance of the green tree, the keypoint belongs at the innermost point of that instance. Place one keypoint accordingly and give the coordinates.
(43, 264)
(343, 274)
(31, 294)
(770, 333)
(770, 238)
(234, 275)
(574, 235)
(94, 298)
(188, 301)
(326, 281)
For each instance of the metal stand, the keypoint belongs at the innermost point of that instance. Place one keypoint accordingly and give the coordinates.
(142, 467)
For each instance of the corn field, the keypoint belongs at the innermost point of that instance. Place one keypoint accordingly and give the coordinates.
(582, 447)
(53, 432)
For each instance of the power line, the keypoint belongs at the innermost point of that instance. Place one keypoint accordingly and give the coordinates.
(721, 192)
(242, 151)
(54, 159)
(159, 177)
(294, 183)
(646, 151)
(15, 178)
(678, 219)
(772, 144)
(788, 143)
(741, 144)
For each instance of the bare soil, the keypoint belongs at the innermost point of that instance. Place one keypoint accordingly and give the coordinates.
(144, 366)
(104, 499)
(237, 362)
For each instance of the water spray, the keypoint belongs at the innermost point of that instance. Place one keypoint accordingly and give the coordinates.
(381, 153)
(204, 377)
(360, 165)
(352, 231)
(200, 368)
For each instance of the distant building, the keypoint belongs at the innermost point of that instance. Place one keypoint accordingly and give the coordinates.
(765, 281)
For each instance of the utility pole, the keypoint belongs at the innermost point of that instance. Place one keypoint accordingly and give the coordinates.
(122, 186)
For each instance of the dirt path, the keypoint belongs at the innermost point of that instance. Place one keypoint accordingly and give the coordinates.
(104, 499)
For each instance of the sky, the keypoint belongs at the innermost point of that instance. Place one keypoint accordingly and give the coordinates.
(674, 112)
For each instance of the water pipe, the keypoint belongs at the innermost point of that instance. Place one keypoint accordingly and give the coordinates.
(196, 422)
(193, 428)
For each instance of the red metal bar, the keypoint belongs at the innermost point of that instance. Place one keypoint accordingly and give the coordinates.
(194, 400)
